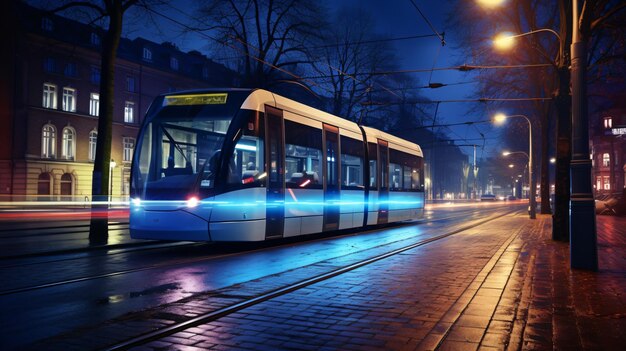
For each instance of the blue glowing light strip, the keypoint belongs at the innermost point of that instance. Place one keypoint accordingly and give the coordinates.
(180, 203)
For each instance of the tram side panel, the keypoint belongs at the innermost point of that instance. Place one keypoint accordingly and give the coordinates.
(239, 215)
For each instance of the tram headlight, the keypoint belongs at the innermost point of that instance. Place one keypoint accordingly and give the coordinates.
(136, 201)
(192, 202)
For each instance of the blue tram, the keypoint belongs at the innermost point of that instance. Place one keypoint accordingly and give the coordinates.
(250, 165)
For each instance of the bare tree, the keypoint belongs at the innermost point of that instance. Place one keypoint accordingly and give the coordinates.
(112, 12)
(270, 37)
(347, 61)
(478, 25)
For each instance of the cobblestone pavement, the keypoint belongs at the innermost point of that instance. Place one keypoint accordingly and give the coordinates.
(501, 285)
(488, 288)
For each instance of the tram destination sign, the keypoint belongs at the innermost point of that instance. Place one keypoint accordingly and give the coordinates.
(618, 131)
(195, 99)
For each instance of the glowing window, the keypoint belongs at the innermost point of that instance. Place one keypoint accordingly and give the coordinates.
(606, 159)
(129, 112)
(69, 145)
(48, 141)
(94, 104)
(49, 96)
(93, 139)
(129, 145)
(69, 99)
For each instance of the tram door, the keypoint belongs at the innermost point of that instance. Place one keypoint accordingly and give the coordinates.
(383, 193)
(331, 178)
(275, 146)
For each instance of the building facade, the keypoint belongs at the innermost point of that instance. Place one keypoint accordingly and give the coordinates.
(50, 109)
(608, 152)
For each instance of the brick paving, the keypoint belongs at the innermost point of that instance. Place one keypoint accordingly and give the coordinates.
(504, 285)
(490, 288)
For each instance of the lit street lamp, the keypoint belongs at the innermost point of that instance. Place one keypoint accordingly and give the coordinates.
(499, 119)
(582, 217)
(506, 40)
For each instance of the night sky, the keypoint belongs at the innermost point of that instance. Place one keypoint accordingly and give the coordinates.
(395, 18)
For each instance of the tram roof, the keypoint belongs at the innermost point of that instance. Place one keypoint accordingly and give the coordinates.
(256, 99)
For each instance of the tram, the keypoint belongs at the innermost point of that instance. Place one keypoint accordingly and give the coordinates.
(250, 165)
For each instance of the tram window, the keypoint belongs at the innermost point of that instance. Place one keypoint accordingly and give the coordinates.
(245, 160)
(417, 176)
(405, 171)
(395, 176)
(373, 156)
(351, 163)
(179, 152)
(303, 156)
(407, 177)
(415, 179)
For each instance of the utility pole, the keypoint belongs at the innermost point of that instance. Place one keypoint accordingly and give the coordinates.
(583, 236)
(475, 174)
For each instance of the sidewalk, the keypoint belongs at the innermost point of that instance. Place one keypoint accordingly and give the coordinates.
(545, 305)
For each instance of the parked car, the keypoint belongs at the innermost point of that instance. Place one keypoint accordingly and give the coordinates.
(487, 197)
(511, 198)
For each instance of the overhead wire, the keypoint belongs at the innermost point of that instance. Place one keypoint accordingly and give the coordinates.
(443, 42)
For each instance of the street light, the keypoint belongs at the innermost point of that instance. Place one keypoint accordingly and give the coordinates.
(507, 153)
(490, 3)
(499, 119)
(506, 40)
(582, 216)
(112, 165)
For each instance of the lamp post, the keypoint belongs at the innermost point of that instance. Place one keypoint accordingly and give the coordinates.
(560, 220)
(583, 236)
(112, 165)
(500, 118)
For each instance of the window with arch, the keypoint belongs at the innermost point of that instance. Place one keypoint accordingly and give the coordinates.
(48, 141)
(93, 139)
(68, 150)
(66, 187)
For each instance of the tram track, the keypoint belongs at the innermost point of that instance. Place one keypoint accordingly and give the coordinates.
(173, 263)
(281, 291)
(50, 230)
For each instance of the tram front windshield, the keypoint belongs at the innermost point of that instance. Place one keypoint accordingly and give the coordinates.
(179, 151)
